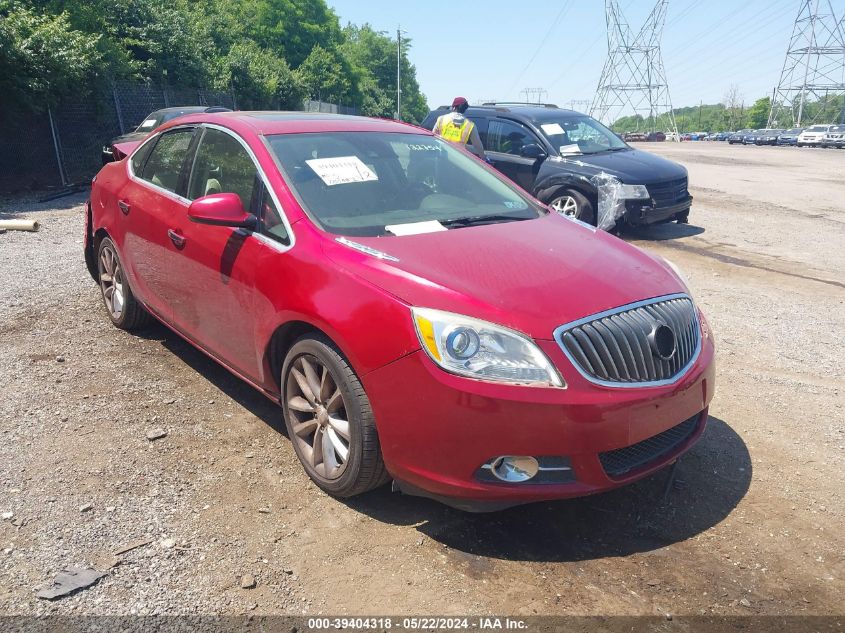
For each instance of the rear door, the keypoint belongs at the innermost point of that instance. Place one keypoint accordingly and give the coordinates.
(149, 202)
(504, 144)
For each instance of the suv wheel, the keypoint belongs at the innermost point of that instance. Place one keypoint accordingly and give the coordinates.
(574, 204)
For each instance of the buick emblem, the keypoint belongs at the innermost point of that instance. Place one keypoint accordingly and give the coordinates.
(662, 341)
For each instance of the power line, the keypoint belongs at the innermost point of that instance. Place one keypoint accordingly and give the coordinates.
(552, 27)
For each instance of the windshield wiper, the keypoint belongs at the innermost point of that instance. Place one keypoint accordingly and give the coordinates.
(479, 220)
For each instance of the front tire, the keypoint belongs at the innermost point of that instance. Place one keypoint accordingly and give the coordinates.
(123, 308)
(574, 204)
(329, 419)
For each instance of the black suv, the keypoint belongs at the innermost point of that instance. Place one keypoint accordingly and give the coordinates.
(151, 122)
(576, 165)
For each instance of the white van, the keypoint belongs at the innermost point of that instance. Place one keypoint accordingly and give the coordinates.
(813, 135)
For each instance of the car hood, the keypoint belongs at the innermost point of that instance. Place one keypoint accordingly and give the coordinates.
(631, 166)
(531, 275)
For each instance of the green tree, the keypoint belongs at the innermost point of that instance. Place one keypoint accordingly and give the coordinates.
(41, 56)
(326, 76)
(758, 115)
(259, 79)
(372, 55)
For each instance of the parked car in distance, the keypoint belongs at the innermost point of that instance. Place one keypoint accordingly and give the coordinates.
(557, 155)
(738, 136)
(395, 296)
(751, 137)
(767, 136)
(123, 145)
(789, 137)
(673, 136)
(813, 136)
(634, 137)
(835, 137)
(655, 137)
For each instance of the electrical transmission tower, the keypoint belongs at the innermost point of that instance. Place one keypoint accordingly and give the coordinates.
(633, 80)
(813, 75)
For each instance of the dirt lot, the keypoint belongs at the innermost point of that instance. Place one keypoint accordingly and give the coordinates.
(754, 524)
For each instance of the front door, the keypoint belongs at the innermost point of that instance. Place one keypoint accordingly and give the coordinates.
(505, 140)
(217, 265)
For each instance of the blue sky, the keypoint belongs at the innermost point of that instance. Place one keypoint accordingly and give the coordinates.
(494, 49)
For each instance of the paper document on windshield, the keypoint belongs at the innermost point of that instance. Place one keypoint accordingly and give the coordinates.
(552, 129)
(415, 228)
(569, 150)
(341, 170)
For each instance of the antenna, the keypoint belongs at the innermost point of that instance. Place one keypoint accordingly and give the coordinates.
(814, 68)
(633, 80)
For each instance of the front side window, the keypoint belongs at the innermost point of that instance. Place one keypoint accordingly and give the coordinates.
(222, 165)
(372, 183)
(580, 135)
(508, 138)
(164, 164)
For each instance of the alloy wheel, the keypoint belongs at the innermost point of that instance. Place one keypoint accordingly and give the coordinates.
(111, 281)
(318, 416)
(565, 205)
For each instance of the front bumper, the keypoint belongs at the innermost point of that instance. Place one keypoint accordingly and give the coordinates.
(637, 213)
(435, 442)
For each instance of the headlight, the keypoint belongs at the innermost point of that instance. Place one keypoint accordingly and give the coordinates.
(633, 192)
(478, 349)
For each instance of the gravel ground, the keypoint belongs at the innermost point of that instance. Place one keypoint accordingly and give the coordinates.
(226, 522)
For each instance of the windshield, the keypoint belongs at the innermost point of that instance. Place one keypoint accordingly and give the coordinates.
(796, 130)
(818, 128)
(838, 128)
(372, 183)
(580, 135)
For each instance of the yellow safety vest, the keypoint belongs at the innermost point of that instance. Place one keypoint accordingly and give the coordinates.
(455, 133)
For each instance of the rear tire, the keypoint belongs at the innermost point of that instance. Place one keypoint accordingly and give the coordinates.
(123, 308)
(329, 419)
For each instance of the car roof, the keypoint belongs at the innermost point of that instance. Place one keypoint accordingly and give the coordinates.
(266, 122)
(534, 113)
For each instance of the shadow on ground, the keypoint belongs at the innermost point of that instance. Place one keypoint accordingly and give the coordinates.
(710, 481)
(661, 232)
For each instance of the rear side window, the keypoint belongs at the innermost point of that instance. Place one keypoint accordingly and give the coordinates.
(222, 165)
(140, 157)
(507, 138)
(165, 162)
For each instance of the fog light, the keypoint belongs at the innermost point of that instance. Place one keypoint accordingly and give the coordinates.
(515, 468)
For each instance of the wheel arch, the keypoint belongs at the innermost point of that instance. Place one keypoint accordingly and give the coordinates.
(280, 342)
(546, 191)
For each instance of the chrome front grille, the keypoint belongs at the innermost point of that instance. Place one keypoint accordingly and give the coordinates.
(627, 346)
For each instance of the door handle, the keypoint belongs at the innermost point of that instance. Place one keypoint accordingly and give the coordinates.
(178, 240)
(124, 207)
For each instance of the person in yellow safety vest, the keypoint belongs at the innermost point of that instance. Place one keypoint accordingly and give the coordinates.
(456, 128)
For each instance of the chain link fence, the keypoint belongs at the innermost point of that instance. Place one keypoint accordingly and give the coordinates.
(62, 146)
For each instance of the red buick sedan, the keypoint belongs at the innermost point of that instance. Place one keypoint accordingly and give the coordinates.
(417, 317)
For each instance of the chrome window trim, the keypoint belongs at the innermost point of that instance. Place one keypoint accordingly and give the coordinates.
(288, 227)
(559, 331)
(137, 179)
(187, 202)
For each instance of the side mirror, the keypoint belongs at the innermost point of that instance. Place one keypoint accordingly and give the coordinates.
(532, 150)
(222, 209)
